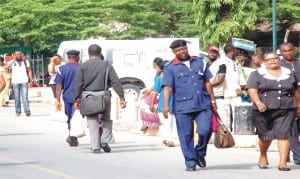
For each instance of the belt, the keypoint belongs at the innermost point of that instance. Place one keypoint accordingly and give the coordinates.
(219, 97)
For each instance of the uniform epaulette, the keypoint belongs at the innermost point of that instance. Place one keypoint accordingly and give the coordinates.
(169, 62)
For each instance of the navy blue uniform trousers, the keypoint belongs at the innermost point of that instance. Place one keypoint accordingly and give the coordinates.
(185, 129)
(69, 110)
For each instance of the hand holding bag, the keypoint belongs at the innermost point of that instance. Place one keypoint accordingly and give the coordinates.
(215, 122)
(223, 137)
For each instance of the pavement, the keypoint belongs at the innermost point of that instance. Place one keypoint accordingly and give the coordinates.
(34, 147)
(44, 95)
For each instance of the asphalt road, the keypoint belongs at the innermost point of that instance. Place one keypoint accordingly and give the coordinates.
(34, 147)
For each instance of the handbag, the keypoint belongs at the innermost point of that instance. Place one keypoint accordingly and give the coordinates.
(95, 102)
(149, 119)
(223, 137)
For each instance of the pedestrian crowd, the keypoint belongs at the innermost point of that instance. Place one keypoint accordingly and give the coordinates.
(187, 92)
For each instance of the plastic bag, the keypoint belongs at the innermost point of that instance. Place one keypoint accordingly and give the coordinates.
(77, 124)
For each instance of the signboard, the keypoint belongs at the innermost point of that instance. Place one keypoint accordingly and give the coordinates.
(244, 44)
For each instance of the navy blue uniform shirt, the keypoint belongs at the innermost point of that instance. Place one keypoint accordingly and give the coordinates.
(66, 77)
(190, 94)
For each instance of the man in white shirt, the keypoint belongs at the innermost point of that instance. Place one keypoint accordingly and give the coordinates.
(234, 80)
(218, 69)
(20, 79)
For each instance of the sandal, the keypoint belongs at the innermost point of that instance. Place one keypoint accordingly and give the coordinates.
(263, 166)
(284, 168)
(170, 144)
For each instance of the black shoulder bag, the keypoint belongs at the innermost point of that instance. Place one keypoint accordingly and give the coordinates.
(96, 102)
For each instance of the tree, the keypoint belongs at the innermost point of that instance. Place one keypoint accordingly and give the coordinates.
(287, 15)
(43, 24)
(152, 18)
(220, 20)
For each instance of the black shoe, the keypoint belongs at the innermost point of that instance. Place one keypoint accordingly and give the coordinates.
(284, 169)
(96, 151)
(202, 162)
(72, 140)
(28, 114)
(105, 147)
(297, 161)
(190, 169)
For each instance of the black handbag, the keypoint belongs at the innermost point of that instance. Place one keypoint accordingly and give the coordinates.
(95, 103)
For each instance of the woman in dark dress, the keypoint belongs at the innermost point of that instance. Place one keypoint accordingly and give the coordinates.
(276, 103)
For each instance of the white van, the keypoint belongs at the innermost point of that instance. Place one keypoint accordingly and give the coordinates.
(132, 59)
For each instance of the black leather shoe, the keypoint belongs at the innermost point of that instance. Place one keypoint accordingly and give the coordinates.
(105, 147)
(72, 140)
(190, 169)
(297, 161)
(202, 162)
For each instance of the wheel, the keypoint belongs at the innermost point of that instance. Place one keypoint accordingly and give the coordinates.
(131, 90)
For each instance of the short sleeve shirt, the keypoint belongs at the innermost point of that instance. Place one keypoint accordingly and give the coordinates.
(66, 77)
(188, 84)
(276, 93)
(19, 72)
(158, 88)
(218, 67)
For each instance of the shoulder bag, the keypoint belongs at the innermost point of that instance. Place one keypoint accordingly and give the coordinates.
(95, 102)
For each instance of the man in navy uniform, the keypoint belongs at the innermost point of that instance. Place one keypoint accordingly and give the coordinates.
(65, 80)
(187, 79)
(289, 61)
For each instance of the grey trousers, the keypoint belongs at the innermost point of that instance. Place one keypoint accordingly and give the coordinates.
(107, 135)
(93, 124)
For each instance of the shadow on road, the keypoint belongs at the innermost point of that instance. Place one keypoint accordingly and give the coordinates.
(17, 163)
(16, 134)
(241, 166)
(116, 148)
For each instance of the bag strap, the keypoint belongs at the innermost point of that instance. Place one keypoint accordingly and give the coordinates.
(218, 117)
(106, 77)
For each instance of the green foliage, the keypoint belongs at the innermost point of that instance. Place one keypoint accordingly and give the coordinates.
(43, 24)
(220, 20)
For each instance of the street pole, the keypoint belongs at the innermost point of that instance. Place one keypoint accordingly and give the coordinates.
(274, 25)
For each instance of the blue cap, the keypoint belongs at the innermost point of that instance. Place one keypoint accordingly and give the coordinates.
(73, 53)
(178, 43)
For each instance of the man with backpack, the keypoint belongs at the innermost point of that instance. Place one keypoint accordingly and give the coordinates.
(21, 78)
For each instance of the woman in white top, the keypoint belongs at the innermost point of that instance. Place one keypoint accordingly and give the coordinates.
(55, 62)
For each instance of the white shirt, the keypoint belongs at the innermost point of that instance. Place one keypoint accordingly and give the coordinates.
(53, 75)
(19, 72)
(234, 78)
(214, 69)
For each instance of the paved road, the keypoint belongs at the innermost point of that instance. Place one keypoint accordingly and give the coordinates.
(34, 147)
